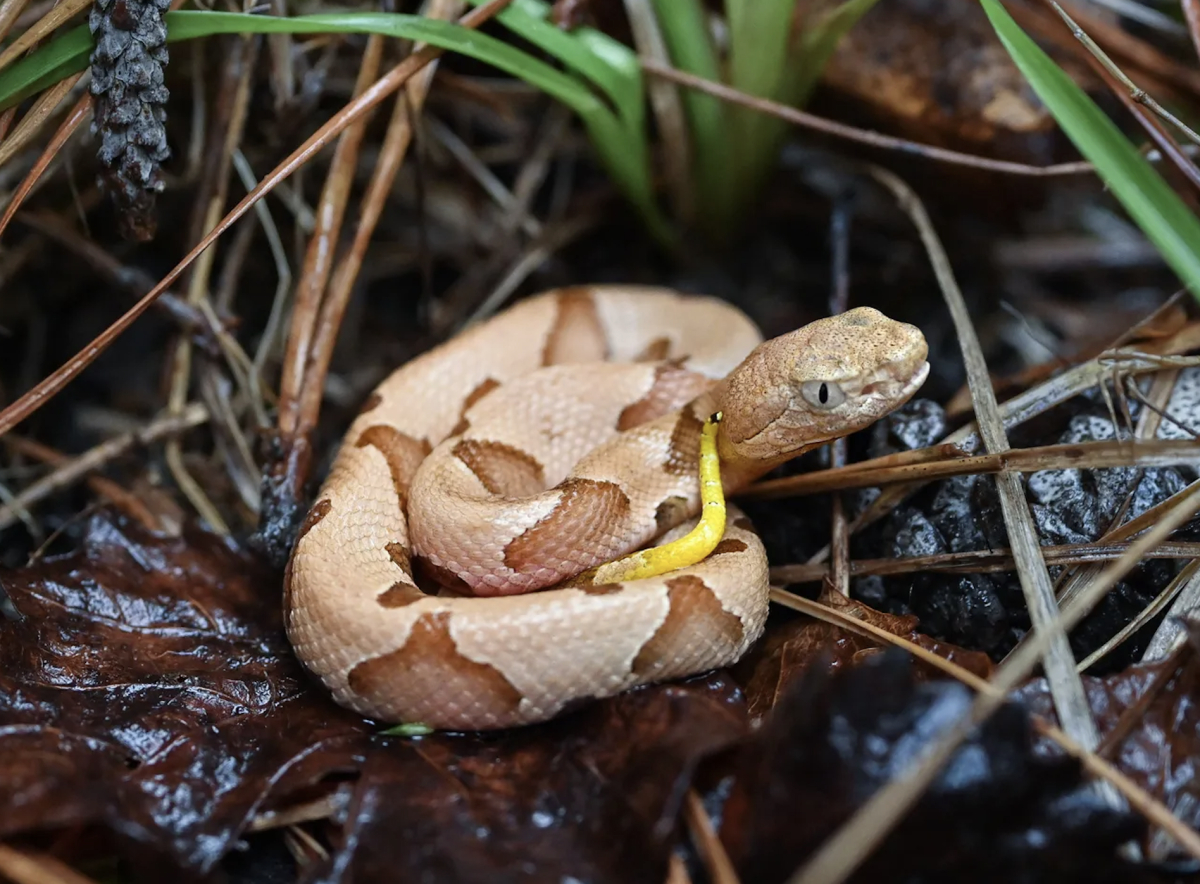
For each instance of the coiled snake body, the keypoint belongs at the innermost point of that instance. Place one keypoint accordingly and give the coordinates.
(559, 435)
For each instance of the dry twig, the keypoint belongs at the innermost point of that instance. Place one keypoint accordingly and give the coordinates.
(73, 470)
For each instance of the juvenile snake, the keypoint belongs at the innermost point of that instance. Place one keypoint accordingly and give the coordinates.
(554, 437)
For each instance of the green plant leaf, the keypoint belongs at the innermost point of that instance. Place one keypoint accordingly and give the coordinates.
(759, 34)
(1148, 199)
(55, 61)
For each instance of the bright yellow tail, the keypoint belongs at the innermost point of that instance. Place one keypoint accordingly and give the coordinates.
(694, 546)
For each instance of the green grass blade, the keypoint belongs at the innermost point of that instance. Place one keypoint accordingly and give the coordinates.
(69, 53)
(610, 65)
(758, 44)
(1148, 199)
(759, 32)
(685, 31)
(55, 61)
(818, 43)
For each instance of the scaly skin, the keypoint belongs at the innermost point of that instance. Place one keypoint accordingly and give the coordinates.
(515, 477)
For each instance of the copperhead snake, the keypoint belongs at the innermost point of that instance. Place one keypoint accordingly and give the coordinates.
(550, 439)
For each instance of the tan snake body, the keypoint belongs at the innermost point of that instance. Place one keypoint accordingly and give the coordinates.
(558, 435)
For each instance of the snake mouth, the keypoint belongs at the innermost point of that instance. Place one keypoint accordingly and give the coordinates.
(897, 381)
(917, 379)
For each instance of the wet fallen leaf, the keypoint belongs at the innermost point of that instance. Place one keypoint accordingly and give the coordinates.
(998, 812)
(146, 688)
(592, 797)
(1149, 722)
(790, 648)
(151, 711)
(148, 694)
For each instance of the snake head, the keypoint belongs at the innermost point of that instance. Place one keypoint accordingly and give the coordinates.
(828, 379)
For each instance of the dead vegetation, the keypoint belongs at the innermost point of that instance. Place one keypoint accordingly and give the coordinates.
(335, 204)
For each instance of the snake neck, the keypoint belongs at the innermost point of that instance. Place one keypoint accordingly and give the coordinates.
(737, 470)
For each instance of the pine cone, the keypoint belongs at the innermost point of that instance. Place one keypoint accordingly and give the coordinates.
(130, 106)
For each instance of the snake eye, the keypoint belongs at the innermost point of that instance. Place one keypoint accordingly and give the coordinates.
(824, 395)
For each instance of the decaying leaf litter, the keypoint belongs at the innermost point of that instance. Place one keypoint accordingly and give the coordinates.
(152, 718)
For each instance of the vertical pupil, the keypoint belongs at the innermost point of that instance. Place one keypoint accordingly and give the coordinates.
(823, 394)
